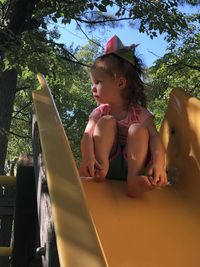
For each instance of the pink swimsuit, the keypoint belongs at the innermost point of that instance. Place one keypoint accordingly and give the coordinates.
(136, 114)
(118, 158)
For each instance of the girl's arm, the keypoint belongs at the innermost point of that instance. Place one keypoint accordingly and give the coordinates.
(157, 169)
(87, 167)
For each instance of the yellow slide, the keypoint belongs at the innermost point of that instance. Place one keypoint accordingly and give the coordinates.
(96, 224)
(162, 229)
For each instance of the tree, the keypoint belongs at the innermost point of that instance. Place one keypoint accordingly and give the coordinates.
(68, 84)
(179, 68)
(27, 44)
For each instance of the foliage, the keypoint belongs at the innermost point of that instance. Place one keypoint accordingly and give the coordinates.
(73, 96)
(179, 68)
(19, 135)
(27, 44)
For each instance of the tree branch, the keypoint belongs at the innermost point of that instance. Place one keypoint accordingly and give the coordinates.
(101, 21)
(21, 119)
(20, 136)
(182, 65)
(4, 132)
(193, 89)
(153, 53)
(76, 61)
(19, 111)
(194, 67)
(61, 46)
(78, 24)
(22, 88)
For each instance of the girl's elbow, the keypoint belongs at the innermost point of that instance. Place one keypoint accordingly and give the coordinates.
(87, 134)
(87, 137)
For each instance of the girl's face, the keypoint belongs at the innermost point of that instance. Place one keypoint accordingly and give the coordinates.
(105, 88)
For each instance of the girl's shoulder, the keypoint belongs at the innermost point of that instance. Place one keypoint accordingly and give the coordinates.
(139, 113)
(101, 110)
(104, 108)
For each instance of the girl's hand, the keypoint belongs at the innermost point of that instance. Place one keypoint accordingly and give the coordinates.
(158, 175)
(100, 172)
(88, 167)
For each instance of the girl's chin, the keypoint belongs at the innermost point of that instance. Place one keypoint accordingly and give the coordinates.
(97, 101)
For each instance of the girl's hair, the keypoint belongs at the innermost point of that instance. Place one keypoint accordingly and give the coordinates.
(114, 66)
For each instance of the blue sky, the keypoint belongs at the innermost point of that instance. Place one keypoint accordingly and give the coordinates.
(149, 50)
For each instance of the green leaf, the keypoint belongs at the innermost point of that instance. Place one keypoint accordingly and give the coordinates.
(54, 19)
(106, 2)
(90, 6)
(102, 8)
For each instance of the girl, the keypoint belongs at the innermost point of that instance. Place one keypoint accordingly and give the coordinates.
(120, 140)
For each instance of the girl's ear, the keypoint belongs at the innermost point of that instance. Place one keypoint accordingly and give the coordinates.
(122, 82)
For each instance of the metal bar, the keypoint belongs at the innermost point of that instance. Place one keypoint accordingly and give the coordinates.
(5, 251)
(7, 180)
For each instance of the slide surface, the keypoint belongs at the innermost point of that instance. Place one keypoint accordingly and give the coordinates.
(162, 228)
(97, 225)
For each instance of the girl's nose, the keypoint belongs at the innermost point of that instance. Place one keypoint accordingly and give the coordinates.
(93, 88)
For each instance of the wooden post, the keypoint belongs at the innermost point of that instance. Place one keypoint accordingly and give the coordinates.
(7, 195)
(26, 220)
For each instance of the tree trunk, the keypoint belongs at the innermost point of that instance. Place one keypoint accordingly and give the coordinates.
(8, 81)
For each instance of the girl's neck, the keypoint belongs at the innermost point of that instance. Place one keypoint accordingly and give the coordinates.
(118, 111)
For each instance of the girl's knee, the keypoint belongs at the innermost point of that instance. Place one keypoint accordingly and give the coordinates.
(107, 125)
(107, 120)
(138, 130)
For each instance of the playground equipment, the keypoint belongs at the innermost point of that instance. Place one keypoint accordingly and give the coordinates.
(96, 224)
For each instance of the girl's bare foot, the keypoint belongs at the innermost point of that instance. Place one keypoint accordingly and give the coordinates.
(138, 185)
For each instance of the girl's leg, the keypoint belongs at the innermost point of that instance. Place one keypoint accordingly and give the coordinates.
(104, 137)
(137, 149)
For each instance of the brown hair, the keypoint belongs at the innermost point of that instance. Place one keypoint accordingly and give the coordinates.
(115, 65)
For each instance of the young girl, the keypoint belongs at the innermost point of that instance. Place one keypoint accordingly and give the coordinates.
(120, 140)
